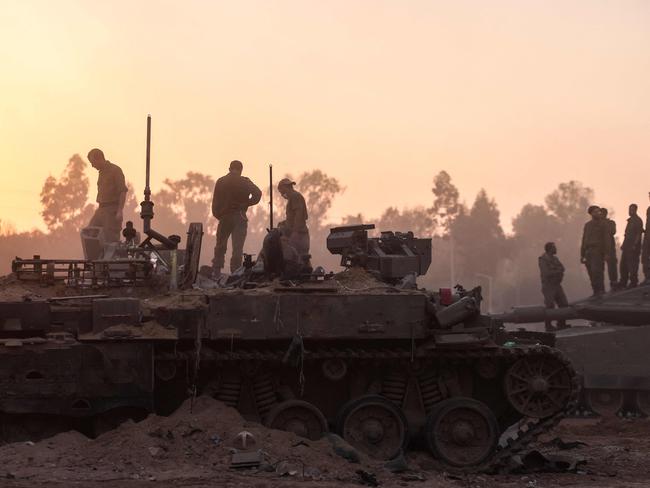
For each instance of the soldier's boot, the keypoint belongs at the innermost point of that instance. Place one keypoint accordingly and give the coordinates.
(216, 273)
(561, 324)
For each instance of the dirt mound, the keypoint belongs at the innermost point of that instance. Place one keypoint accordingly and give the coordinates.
(196, 441)
(359, 279)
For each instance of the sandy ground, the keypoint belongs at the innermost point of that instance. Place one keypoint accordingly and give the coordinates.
(194, 446)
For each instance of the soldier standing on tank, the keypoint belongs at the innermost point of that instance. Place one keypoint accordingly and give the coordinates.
(594, 249)
(610, 259)
(552, 272)
(233, 194)
(295, 225)
(645, 253)
(111, 195)
(631, 248)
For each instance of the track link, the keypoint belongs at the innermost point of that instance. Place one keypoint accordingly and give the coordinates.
(528, 431)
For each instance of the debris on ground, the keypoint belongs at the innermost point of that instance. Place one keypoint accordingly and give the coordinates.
(535, 461)
(197, 448)
(563, 445)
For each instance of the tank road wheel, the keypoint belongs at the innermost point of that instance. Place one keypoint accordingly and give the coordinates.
(374, 425)
(301, 418)
(462, 432)
(538, 385)
(605, 403)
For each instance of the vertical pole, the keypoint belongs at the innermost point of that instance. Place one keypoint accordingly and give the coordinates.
(173, 268)
(452, 270)
(147, 189)
(270, 197)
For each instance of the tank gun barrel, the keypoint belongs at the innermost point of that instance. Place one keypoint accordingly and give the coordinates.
(535, 313)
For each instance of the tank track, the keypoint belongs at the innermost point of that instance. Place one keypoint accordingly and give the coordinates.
(527, 432)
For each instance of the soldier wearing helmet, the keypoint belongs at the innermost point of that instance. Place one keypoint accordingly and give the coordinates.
(595, 249)
(294, 226)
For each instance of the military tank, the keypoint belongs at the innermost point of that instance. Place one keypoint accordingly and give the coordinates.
(363, 353)
(607, 344)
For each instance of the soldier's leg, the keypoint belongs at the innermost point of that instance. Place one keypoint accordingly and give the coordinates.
(589, 267)
(113, 226)
(223, 233)
(645, 257)
(624, 268)
(238, 239)
(634, 268)
(597, 266)
(97, 220)
(562, 302)
(612, 269)
(104, 217)
(549, 302)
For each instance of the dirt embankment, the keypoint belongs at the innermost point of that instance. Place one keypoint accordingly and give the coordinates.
(194, 448)
(195, 444)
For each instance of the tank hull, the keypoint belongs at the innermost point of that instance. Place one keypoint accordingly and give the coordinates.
(374, 366)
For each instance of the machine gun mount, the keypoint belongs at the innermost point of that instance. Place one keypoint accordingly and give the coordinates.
(393, 255)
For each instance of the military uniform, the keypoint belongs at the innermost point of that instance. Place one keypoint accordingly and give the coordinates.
(110, 186)
(610, 259)
(593, 251)
(631, 251)
(296, 222)
(233, 194)
(645, 252)
(552, 272)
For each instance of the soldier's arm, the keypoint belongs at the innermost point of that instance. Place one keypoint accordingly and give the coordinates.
(607, 241)
(301, 212)
(543, 268)
(583, 244)
(255, 194)
(639, 233)
(216, 204)
(121, 199)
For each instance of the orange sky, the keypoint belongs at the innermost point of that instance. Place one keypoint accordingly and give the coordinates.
(513, 96)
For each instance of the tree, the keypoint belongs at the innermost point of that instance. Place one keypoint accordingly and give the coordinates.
(534, 225)
(319, 191)
(532, 228)
(445, 203)
(478, 238)
(64, 199)
(417, 219)
(357, 219)
(7, 228)
(570, 201)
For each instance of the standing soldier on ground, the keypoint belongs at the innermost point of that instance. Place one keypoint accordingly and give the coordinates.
(233, 194)
(594, 249)
(645, 253)
(295, 224)
(610, 259)
(552, 272)
(631, 249)
(111, 195)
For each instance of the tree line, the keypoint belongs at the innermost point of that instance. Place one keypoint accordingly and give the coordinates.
(469, 244)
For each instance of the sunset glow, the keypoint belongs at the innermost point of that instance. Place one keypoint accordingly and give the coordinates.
(509, 96)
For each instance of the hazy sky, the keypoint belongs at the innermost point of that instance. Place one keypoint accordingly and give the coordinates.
(513, 96)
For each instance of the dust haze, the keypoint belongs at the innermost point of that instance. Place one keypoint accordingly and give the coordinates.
(471, 236)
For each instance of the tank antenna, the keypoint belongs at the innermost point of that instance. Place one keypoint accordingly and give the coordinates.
(146, 207)
(271, 196)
